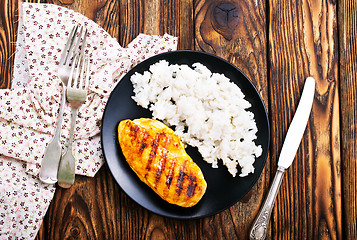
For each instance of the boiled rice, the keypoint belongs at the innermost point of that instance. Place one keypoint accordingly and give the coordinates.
(206, 109)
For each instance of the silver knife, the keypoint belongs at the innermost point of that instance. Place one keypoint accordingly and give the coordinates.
(286, 157)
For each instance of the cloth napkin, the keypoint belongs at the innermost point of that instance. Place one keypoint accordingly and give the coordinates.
(29, 111)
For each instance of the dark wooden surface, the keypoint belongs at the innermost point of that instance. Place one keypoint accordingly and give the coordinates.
(277, 44)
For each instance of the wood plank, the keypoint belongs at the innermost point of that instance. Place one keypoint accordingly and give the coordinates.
(87, 210)
(347, 23)
(310, 197)
(236, 31)
(74, 213)
(90, 208)
(156, 18)
(104, 12)
(8, 30)
(302, 43)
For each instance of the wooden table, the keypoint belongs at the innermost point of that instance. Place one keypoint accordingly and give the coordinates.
(277, 44)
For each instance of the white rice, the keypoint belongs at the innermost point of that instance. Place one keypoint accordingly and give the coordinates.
(206, 109)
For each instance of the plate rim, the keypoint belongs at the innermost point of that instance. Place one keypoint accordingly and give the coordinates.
(264, 158)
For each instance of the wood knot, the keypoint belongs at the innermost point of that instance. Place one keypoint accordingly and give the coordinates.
(75, 232)
(225, 19)
(157, 234)
(66, 2)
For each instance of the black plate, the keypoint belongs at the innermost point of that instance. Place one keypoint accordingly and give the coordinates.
(222, 189)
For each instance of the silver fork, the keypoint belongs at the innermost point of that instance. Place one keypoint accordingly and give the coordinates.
(49, 166)
(76, 95)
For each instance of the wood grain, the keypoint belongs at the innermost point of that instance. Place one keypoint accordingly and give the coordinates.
(74, 212)
(91, 208)
(8, 26)
(302, 43)
(104, 12)
(277, 46)
(157, 17)
(85, 211)
(236, 31)
(347, 23)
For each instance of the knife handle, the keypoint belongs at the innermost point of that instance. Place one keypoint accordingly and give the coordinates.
(261, 223)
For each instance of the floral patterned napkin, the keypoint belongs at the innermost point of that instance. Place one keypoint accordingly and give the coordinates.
(28, 111)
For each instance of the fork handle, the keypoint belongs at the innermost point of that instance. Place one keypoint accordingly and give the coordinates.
(60, 115)
(52, 155)
(66, 170)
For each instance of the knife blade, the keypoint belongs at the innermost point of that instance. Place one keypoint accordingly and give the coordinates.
(298, 124)
(287, 154)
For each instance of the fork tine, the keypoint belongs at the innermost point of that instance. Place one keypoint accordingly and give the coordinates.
(73, 50)
(75, 47)
(82, 68)
(68, 46)
(84, 41)
(70, 79)
(79, 43)
(86, 83)
(77, 66)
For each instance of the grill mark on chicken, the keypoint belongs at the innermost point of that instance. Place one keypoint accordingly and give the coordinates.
(153, 152)
(161, 167)
(133, 131)
(191, 186)
(170, 174)
(181, 178)
(142, 147)
(157, 157)
(143, 144)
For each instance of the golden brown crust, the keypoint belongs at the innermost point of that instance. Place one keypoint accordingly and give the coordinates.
(159, 159)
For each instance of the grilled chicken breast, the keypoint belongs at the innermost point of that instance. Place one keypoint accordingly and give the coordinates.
(159, 159)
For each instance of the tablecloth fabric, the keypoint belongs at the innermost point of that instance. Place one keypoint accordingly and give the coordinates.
(28, 111)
